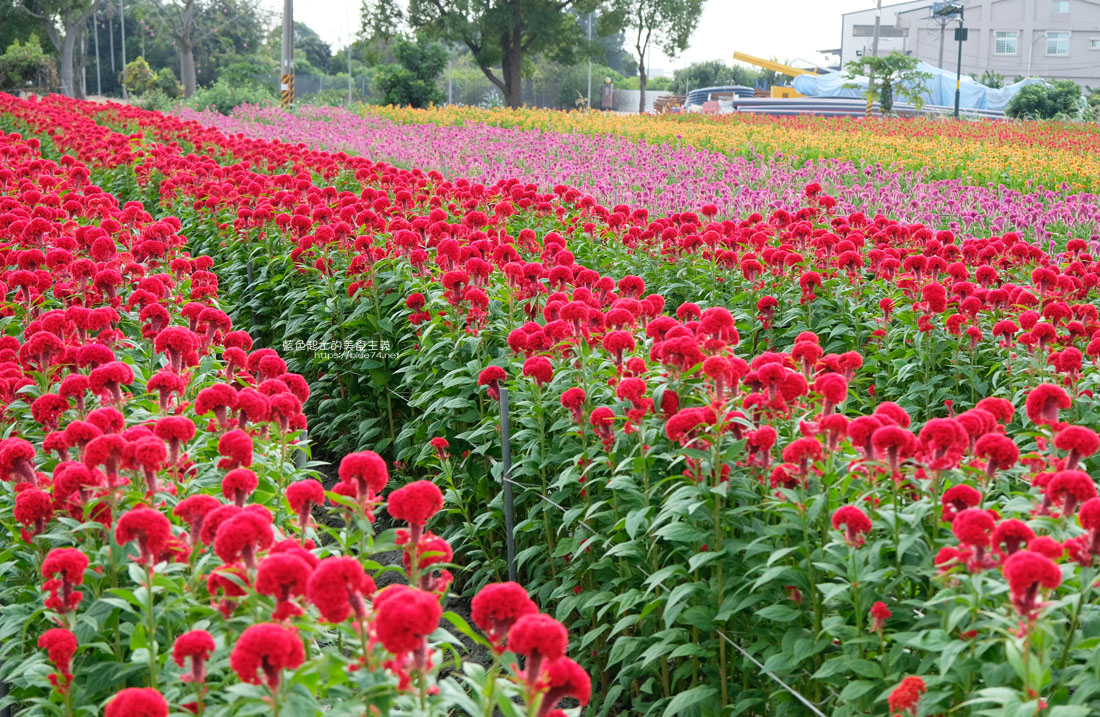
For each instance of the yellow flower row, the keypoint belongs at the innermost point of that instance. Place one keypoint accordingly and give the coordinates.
(1021, 155)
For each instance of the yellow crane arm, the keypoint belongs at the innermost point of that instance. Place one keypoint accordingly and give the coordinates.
(771, 65)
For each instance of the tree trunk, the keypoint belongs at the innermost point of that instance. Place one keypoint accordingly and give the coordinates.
(68, 45)
(641, 87)
(79, 58)
(187, 68)
(512, 60)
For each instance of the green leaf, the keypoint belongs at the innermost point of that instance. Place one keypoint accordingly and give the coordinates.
(779, 613)
(688, 699)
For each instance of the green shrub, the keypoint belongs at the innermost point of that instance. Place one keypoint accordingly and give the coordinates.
(167, 84)
(413, 80)
(138, 78)
(223, 96)
(1046, 101)
(24, 64)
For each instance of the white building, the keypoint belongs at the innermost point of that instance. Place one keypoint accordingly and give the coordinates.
(858, 31)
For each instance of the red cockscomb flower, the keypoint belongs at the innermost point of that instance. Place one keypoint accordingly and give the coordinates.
(540, 638)
(491, 377)
(238, 484)
(193, 510)
(283, 576)
(879, 614)
(958, 498)
(196, 645)
(539, 369)
(904, 698)
(893, 444)
(236, 446)
(855, 523)
(243, 536)
(302, 496)
(1079, 441)
(137, 702)
(1026, 573)
(416, 502)
(564, 679)
(1070, 488)
(497, 606)
(405, 618)
(63, 569)
(1012, 534)
(999, 451)
(440, 446)
(33, 508)
(60, 646)
(338, 586)
(1044, 402)
(364, 476)
(150, 528)
(263, 651)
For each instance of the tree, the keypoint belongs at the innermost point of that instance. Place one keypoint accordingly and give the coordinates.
(24, 64)
(412, 81)
(894, 74)
(991, 79)
(666, 23)
(16, 25)
(311, 46)
(497, 32)
(713, 73)
(1044, 101)
(64, 22)
(191, 22)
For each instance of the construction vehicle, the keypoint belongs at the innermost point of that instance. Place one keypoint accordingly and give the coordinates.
(779, 67)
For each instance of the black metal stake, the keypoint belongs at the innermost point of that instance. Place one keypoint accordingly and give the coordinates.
(506, 477)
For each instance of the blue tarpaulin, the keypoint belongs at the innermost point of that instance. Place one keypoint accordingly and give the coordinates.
(941, 88)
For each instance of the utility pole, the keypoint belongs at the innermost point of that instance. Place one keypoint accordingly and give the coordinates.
(960, 35)
(874, 53)
(878, 20)
(286, 78)
(122, 28)
(589, 106)
(95, 31)
(351, 40)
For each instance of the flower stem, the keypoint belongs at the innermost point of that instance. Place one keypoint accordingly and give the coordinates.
(150, 627)
(1086, 583)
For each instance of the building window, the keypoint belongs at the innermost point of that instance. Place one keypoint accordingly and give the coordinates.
(1005, 42)
(883, 31)
(1060, 7)
(1057, 43)
(1094, 43)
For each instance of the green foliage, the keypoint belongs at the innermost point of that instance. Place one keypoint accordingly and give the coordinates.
(504, 35)
(712, 73)
(413, 80)
(654, 84)
(666, 23)
(1046, 101)
(24, 64)
(138, 77)
(889, 76)
(167, 84)
(992, 79)
(223, 96)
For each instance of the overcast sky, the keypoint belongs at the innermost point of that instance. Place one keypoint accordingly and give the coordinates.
(785, 29)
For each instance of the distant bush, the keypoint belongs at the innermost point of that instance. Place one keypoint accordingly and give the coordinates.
(26, 64)
(1060, 98)
(223, 96)
(138, 78)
